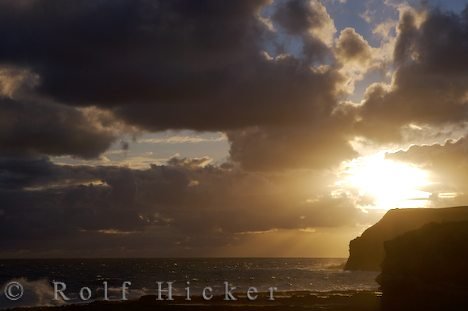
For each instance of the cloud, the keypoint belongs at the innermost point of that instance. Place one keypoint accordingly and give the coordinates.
(164, 65)
(447, 161)
(448, 166)
(320, 145)
(186, 203)
(298, 17)
(385, 28)
(311, 22)
(355, 57)
(429, 85)
(15, 80)
(28, 127)
(180, 139)
(352, 47)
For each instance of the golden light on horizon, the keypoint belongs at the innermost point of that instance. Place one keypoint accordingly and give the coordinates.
(389, 183)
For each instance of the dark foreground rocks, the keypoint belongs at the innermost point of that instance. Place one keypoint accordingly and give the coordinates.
(427, 269)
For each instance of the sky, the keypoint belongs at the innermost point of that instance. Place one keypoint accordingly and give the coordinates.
(262, 128)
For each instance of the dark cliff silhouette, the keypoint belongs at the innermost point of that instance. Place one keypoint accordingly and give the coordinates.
(427, 269)
(367, 251)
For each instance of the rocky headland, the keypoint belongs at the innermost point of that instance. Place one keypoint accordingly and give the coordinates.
(367, 251)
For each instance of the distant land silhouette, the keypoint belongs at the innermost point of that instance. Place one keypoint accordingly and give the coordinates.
(367, 251)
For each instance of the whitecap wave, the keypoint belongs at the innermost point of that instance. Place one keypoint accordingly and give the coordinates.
(35, 293)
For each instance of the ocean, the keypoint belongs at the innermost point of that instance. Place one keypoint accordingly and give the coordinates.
(285, 274)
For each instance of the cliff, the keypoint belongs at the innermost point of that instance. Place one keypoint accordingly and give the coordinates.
(367, 251)
(427, 269)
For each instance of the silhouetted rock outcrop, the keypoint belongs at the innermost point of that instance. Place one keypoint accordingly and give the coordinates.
(367, 251)
(427, 269)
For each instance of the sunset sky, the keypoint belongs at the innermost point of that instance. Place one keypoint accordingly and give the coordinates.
(134, 128)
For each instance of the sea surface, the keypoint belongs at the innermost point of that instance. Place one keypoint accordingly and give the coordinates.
(286, 274)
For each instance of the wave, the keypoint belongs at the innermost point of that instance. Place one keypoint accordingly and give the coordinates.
(35, 293)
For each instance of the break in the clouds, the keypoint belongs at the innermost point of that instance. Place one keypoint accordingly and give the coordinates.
(277, 78)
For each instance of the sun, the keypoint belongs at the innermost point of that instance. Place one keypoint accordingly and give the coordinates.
(390, 184)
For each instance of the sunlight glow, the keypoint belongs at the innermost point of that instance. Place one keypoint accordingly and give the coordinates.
(390, 184)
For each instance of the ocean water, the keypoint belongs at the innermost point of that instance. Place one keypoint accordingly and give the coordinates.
(286, 274)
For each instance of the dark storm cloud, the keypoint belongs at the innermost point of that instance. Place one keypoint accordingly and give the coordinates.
(298, 16)
(28, 127)
(317, 146)
(164, 64)
(303, 18)
(197, 65)
(183, 205)
(19, 172)
(431, 80)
